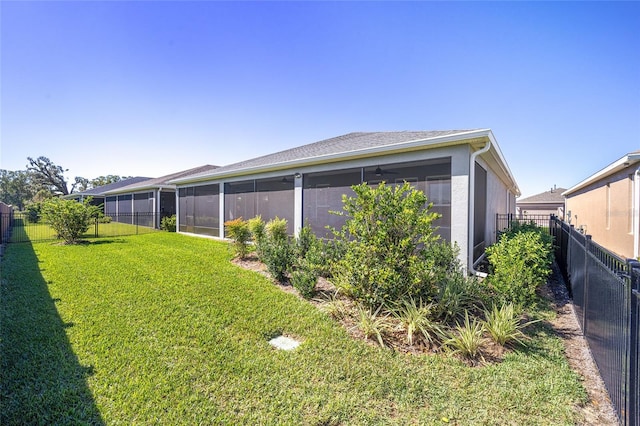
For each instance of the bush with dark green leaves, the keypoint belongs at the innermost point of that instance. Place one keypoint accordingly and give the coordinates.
(276, 251)
(33, 211)
(168, 223)
(69, 218)
(304, 279)
(388, 236)
(520, 262)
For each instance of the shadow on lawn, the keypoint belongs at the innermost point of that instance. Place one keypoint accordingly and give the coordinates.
(42, 379)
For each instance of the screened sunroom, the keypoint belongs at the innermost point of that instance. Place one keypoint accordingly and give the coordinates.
(463, 174)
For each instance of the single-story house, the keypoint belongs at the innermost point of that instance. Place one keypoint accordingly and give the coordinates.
(462, 172)
(97, 194)
(546, 203)
(147, 201)
(606, 205)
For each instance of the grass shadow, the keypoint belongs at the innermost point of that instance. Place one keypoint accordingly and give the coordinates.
(42, 379)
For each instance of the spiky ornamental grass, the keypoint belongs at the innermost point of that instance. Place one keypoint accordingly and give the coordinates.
(163, 329)
(504, 325)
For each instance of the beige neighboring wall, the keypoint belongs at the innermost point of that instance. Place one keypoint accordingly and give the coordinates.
(603, 206)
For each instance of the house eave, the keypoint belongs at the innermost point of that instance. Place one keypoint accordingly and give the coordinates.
(475, 137)
(621, 164)
(140, 189)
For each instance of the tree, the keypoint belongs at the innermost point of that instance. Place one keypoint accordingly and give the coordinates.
(16, 188)
(82, 184)
(69, 218)
(48, 175)
(106, 180)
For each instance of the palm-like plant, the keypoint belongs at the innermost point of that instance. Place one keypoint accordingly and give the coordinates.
(504, 325)
(467, 339)
(416, 320)
(373, 324)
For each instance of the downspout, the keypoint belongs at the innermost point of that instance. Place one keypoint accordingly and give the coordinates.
(472, 202)
(636, 214)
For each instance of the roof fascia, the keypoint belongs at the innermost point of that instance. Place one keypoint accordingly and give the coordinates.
(414, 145)
(612, 168)
(139, 189)
(502, 163)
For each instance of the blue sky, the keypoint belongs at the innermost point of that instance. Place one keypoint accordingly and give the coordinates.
(150, 88)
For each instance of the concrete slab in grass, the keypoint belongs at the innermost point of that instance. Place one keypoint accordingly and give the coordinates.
(285, 343)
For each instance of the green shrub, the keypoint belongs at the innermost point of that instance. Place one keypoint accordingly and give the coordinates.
(105, 219)
(304, 280)
(457, 294)
(519, 264)
(168, 223)
(324, 255)
(238, 231)
(69, 218)
(276, 229)
(258, 232)
(387, 235)
(305, 241)
(276, 249)
(517, 227)
(33, 211)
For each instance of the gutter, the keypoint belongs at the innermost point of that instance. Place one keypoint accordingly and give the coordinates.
(472, 191)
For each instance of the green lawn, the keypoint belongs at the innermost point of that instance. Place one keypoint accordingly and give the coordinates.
(162, 329)
(24, 231)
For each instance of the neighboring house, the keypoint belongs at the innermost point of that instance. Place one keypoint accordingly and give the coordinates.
(97, 193)
(546, 203)
(606, 206)
(463, 173)
(152, 199)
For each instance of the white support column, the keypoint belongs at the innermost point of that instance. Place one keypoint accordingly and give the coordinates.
(297, 205)
(221, 210)
(460, 214)
(177, 196)
(156, 207)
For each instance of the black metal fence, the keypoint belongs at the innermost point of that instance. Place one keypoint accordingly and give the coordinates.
(23, 227)
(505, 221)
(606, 298)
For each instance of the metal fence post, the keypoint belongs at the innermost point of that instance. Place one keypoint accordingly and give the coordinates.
(136, 218)
(587, 241)
(633, 392)
(96, 227)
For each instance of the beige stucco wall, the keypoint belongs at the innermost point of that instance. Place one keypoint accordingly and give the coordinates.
(605, 209)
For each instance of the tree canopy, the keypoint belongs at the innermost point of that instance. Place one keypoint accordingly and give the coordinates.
(49, 175)
(43, 179)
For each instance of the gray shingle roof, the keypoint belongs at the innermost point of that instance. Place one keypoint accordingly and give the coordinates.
(163, 180)
(351, 142)
(100, 190)
(551, 196)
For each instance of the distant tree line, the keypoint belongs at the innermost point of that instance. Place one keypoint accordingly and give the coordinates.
(42, 179)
